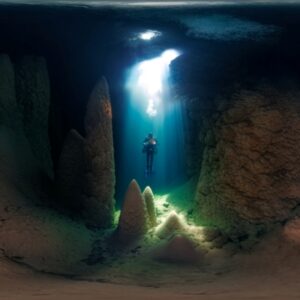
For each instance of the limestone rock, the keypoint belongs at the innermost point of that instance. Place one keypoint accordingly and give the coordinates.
(180, 249)
(133, 218)
(173, 224)
(149, 200)
(33, 98)
(70, 173)
(99, 158)
(251, 173)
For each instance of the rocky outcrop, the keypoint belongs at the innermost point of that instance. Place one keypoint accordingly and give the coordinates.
(99, 158)
(33, 98)
(149, 200)
(133, 218)
(250, 172)
(70, 173)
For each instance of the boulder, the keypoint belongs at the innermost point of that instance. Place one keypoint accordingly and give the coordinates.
(99, 159)
(134, 216)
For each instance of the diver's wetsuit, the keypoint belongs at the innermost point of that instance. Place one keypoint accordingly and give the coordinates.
(150, 144)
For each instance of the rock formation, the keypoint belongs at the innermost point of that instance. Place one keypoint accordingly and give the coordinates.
(250, 172)
(9, 113)
(18, 164)
(149, 200)
(99, 158)
(173, 224)
(33, 98)
(70, 173)
(133, 218)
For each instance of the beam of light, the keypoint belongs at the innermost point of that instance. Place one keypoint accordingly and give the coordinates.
(150, 107)
(151, 111)
(169, 55)
(151, 77)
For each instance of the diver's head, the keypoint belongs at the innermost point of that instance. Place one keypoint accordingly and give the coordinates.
(150, 135)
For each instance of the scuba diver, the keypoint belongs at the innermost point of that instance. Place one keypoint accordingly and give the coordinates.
(150, 148)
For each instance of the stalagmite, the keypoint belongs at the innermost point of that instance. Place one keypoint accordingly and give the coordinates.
(171, 225)
(149, 200)
(99, 158)
(18, 166)
(9, 115)
(33, 98)
(133, 218)
(70, 171)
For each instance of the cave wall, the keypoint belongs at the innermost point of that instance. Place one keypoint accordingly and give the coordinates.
(250, 171)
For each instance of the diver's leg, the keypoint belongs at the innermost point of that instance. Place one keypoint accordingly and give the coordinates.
(151, 162)
(148, 163)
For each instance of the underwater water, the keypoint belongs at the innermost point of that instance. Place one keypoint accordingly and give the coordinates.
(84, 85)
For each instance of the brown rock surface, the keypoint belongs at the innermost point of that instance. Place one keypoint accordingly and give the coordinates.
(251, 171)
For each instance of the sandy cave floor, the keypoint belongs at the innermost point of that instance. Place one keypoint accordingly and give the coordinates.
(20, 283)
(269, 273)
